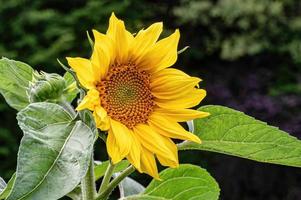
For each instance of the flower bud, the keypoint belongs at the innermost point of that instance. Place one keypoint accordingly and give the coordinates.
(46, 87)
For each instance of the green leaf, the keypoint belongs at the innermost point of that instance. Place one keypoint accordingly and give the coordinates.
(4, 193)
(129, 187)
(71, 89)
(186, 182)
(232, 132)
(100, 169)
(39, 115)
(14, 82)
(2, 184)
(76, 194)
(53, 155)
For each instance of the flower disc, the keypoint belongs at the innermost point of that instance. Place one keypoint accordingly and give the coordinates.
(125, 95)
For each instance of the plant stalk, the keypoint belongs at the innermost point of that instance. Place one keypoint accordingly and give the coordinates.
(107, 177)
(105, 194)
(88, 183)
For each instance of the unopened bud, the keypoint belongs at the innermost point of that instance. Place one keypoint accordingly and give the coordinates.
(46, 87)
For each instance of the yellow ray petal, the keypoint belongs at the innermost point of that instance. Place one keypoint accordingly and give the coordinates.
(169, 72)
(170, 79)
(181, 115)
(123, 138)
(165, 160)
(172, 84)
(164, 54)
(148, 163)
(102, 120)
(83, 70)
(135, 152)
(154, 142)
(175, 89)
(113, 148)
(187, 101)
(144, 40)
(90, 100)
(103, 54)
(170, 129)
(121, 38)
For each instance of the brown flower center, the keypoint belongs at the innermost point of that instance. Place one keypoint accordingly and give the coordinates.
(125, 95)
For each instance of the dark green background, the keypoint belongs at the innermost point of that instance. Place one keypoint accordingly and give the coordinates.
(248, 53)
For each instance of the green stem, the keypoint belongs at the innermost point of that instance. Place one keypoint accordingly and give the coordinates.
(107, 177)
(105, 194)
(88, 183)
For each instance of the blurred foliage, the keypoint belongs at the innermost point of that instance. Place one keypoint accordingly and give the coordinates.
(38, 32)
(235, 28)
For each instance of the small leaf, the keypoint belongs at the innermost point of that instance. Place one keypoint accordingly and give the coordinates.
(129, 187)
(76, 194)
(232, 132)
(186, 182)
(14, 82)
(2, 184)
(53, 155)
(71, 89)
(100, 169)
(4, 193)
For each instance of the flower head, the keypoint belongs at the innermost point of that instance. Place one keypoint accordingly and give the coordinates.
(136, 96)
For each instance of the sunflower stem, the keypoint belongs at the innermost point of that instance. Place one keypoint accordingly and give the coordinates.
(107, 177)
(88, 182)
(105, 194)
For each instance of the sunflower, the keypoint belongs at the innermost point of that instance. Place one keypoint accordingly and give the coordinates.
(136, 97)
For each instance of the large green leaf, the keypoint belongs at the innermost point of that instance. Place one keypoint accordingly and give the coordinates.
(232, 132)
(5, 192)
(54, 153)
(186, 182)
(14, 81)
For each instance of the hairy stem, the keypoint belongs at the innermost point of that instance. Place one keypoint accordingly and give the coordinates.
(88, 182)
(105, 194)
(107, 177)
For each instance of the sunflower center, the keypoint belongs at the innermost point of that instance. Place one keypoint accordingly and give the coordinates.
(125, 95)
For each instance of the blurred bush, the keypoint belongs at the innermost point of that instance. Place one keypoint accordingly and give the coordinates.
(38, 32)
(235, 28)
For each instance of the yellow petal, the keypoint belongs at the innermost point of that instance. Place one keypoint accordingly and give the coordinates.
(187, 101)
(113, 149)
(170, 129)
(144, 40)
(135, 152)
(163, 54)
(175, 88)
(167, 161)
(148, 163)
(120, 37)
(181, 115)
(154, 142)
(172, 84)
(90, 100)
(169, 72)
(103, 54)
(171, 78)
(83, 70)
(160, 77)
(102, 120)
(123, 138)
